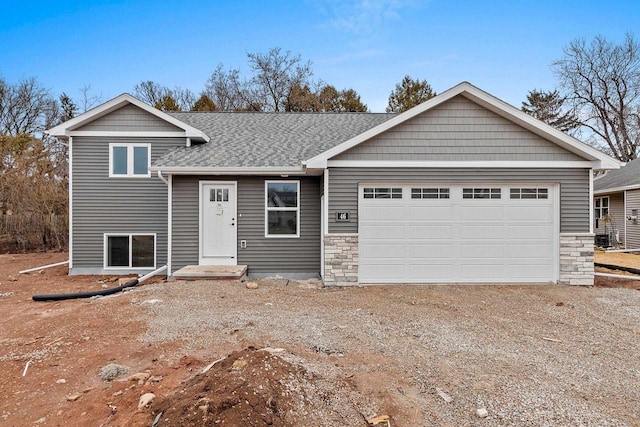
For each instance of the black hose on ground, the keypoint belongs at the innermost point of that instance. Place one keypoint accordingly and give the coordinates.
(75, 295)
(617, 267)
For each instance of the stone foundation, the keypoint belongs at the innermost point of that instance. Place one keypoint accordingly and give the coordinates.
(576, 259)
(341, 259)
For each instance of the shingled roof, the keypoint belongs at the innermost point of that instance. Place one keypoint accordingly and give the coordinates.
(626, 177)
(240, 140)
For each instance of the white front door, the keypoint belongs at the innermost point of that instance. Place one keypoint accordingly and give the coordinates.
(218, 238)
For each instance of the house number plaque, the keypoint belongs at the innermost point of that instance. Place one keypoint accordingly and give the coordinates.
(342, 216)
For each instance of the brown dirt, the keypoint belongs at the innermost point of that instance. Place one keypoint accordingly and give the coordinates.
(617, 258)
(72, 340)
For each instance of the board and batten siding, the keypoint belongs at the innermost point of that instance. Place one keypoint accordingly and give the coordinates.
(459, 129)
(114, 205)
(262, 254)
(633, 229)
(130, 118)
(616, 213)
(574, 189)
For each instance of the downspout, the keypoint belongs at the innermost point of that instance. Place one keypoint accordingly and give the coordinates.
(162, 178)
(624, 217)
(188, 142)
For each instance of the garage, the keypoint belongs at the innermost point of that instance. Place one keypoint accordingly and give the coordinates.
(439, 233)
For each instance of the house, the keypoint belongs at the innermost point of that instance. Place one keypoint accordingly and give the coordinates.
(463, 188)
(616, 204)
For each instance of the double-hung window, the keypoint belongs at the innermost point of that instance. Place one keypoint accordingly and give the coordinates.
(129, 160)
(282, 209)
(601, 207)
(130, 251)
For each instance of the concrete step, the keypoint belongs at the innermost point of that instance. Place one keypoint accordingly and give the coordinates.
(211, 272)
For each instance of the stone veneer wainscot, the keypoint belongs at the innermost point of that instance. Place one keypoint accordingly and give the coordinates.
(576, 259)
(341, 259)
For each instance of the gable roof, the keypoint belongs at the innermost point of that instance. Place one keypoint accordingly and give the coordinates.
(264, 140)
(625, 178)
(67, 128)
(599, 160)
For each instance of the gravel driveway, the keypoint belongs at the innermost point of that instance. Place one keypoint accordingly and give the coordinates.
(530, 355)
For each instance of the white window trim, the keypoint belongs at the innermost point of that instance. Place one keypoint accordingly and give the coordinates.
(599, 209)
(267, 209)
(105, 251)
(129, 146)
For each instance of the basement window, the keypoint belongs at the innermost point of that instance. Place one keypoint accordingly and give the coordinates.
(481, 193)
(282, 209)
(130, 251)
(129, 160)
(429, 193)
(529, 193)
(382, 193)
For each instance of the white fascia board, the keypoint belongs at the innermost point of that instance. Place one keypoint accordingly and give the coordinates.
(601, 160)
(458, 164)
(228, 171)
(116, 103)
(616, 189)
(124, 134)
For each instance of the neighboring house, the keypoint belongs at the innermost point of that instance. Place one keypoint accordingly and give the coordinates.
(462, 188)
(616, 207)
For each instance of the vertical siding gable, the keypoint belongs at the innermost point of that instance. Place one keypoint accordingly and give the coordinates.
(458, 129)
(129, 118)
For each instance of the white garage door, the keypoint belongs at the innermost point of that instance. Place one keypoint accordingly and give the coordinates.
(457, 233)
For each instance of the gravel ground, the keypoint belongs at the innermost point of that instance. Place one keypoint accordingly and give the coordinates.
(530, 355)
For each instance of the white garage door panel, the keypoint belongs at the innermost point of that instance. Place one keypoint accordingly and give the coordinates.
(447, 240)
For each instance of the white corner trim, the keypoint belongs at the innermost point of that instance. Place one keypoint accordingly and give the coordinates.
(114, 104)
(70, 242)
(326, 201)
(591, 202)
(490, 102)
(457, 164)
(169, 222)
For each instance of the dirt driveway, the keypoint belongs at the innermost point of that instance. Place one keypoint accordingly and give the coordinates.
(529, 355)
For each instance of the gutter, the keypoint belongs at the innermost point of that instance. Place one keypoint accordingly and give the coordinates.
(228, 171)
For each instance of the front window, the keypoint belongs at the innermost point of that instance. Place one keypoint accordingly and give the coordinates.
(129, 160)
(282, 209)
(130, 251)
(601, 207)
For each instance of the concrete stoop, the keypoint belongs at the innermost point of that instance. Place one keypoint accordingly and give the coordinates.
(211, 272)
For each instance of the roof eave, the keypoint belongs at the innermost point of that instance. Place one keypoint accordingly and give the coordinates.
(270, 170)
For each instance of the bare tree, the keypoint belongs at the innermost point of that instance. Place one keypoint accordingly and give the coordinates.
(25, 107)
(276, 73)
(602, 81)
(163, 98)
(87, 100)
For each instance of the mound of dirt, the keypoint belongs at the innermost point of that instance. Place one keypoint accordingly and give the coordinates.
(251, 388)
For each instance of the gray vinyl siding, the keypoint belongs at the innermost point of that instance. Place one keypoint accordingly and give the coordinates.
(458, 130)
(114, 205)
(262, 255)
(129, 118)
(633, 230)
(574, 188)
(616, 213)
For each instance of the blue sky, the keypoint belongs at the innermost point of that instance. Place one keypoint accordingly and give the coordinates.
(503, 47)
